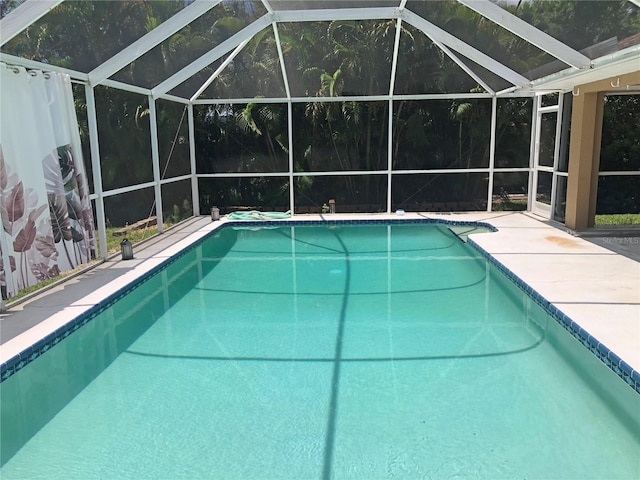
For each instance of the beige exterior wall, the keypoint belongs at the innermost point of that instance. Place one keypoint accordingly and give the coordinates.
(584, 149)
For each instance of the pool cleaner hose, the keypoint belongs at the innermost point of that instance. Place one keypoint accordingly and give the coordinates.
(256, 215)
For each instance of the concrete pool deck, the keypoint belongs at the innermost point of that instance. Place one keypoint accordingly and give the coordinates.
(596, 287)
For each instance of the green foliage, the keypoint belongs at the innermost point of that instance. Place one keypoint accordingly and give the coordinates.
(620, 151)
(134, 236)
(323, 59)
(180, 212)
(618, 219)
(506, 203)
(580, 23)
(620, 137)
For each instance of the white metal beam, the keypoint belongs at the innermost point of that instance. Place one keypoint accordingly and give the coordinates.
(390, 154)
(328, 15)
(23, 16)
(212, 55)
(195, 195)
(394, 61)
(155, 158)
(439, 35)
(124, 86)
(150, 40)
(292, 186)
(219, 70)
(173, 98)
(267, 6)
(283, 68)
(226, 101)
(528, 32)
(127, 189)
(618, 63)
(96, 170)
(492, 152)
(464, 67)
(33, 65)
(181, 178)
(374, 98)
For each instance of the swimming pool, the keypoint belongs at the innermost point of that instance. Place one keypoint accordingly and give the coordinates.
(324, 351)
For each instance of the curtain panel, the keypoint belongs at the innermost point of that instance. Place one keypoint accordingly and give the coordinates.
(47, 219)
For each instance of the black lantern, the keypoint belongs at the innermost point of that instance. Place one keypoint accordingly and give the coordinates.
(126, 249)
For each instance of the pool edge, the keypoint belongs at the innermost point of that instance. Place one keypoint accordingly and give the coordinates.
(610, 359)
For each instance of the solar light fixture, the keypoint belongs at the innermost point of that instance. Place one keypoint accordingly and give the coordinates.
(126, 249)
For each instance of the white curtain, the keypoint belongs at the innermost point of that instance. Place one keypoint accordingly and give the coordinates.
(44, 196)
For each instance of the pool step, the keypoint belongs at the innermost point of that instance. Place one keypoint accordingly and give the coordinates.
(463, 231)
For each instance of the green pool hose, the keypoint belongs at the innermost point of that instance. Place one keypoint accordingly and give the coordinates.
(256, 215)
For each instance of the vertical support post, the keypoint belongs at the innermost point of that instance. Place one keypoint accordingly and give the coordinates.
(492, 151)
(584, 160)
(390, 156)
(392, 86)
(292, 205)
(556, 156)
(96, 170)
(155, 159)
(533, 152)
(195, 194)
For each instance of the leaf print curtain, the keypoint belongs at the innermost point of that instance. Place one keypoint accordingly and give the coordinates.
(47, 221)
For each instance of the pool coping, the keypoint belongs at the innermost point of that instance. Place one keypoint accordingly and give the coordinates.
(621, 368)
(18, 356)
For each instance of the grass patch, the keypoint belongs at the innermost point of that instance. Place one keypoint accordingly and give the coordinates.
(113, 246)
(508, 205)
(134, 236)
(618, 219)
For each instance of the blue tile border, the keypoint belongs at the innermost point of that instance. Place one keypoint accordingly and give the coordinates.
(371, 221)
(609, 358)
(621, 368)
(28, 355)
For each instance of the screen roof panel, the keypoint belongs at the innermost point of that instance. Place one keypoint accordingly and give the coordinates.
(330, 59)
(191, 42)
(157, 45)
(495, 82)
(82, 35)
(191, 85)
(254, 72)
(595, 27)
(425, 68)
(484, 35)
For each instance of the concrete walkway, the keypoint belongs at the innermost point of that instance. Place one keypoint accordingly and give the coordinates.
(597, 288)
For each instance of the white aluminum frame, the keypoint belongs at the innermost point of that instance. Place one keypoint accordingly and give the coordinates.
(155, 37)
(581, 70)
(539, 208)
(24, 15)
(528, 32)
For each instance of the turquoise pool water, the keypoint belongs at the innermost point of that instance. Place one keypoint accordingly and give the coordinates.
(321, 352)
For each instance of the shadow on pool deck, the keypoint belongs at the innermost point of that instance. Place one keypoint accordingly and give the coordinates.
(623, 239)
(22, 316)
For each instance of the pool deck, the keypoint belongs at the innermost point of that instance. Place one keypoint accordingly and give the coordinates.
(596, 287)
